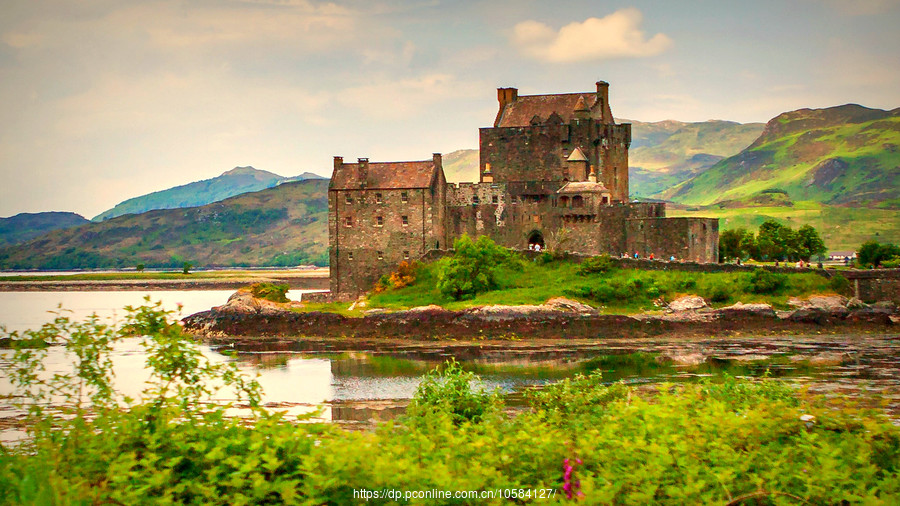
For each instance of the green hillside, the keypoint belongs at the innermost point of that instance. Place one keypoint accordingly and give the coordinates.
(233, 182)
(285, 225)
(26, 226)
(846, 155)
(666, 153)
(461, 166)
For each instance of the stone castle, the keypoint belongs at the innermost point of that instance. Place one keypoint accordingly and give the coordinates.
(553, 171)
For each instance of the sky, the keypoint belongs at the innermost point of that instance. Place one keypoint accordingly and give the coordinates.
(104, 100)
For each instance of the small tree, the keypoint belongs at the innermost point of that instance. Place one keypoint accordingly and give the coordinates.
(139, 267)
(735, 243)
(186, 268)
(873, 253)
(776, 241)
(809, 244)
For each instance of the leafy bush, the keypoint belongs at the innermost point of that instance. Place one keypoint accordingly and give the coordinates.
(704, 443)
(449, 390)
(719, 292)
(891, 263)
(472, 268)
(839, 284)
(270, 291)
(872, 253)
(405, 275)
(595, 265)
(765, 282)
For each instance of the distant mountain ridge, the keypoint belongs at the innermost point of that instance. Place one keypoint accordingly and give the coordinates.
(665, 153)
(230, 183)
(26, 226)
(844, 155)
(286, 225)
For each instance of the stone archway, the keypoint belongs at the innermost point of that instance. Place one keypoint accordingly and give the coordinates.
(535, 239)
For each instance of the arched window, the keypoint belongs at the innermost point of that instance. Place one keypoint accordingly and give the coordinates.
(564, 201)
(577, 201)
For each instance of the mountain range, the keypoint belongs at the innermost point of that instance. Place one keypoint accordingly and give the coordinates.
(837, 169)
(230, 183)
(282, 226)
(847, 155)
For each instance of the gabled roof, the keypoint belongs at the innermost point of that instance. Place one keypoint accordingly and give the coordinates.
(520, 112)
(385, 175)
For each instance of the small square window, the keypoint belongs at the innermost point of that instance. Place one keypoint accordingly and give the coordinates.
(404, 220)
(476, 200)
(495, 199)
(379, 221)
(348, 221)
(406, 255)
(380, 255)
(404, 197)
(378, 199)
(348, 199)
(350, 255)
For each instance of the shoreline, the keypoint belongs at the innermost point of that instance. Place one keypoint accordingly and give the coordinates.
(316, 279)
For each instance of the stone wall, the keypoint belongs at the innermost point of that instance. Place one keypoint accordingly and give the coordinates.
(540, 153)
(694, 239)
(373, 230)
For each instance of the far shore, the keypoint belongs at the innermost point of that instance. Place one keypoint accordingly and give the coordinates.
(307, 279)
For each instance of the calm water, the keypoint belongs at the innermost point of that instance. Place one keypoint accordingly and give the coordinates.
(357, 381)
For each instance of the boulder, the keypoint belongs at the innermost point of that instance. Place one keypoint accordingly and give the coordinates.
(762, 309)
(820, 302)
(681, 357)
(687, 303)
(243, 302)
(568, 305)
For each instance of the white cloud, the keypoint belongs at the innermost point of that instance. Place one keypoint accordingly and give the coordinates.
(405, 98)
(617, 35)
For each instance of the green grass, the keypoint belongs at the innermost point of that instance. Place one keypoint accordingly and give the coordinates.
(619, 291)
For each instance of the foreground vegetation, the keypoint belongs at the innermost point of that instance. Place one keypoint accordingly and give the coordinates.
(481, 273)
(734, 442)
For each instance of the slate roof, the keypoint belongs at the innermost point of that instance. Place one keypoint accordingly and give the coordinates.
(577, 156)
(386, 175)
(520, 112)
(583, 187)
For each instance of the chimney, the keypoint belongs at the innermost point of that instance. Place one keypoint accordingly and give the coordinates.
(363, 171)
(437, 160)
(338, 162)
(603, 97)
(507, 96)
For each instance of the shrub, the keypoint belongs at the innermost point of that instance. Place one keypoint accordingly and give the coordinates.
(270, 291)
(719, 293)
(765, 282)
(473, 267)
(839, 284)
(449, 391)
(594, 265)
(405, 275)
(891, 263)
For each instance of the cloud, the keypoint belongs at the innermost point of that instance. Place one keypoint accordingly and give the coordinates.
(406, 98)
(617, 35)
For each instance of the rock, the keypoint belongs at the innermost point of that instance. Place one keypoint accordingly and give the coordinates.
(821, 302)
(499, 312)
(568, 305)
(886, 306)
(243, 302)
(374, 311)
(682, 358)
(763, 309)
(687, 303)
(428, 308)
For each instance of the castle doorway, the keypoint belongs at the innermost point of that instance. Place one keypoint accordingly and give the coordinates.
(536, 240)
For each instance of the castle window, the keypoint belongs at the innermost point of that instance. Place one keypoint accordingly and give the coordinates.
(379, 221)
(495, 199)
(378, 199)
(406, 254)
(476, 200)
(605, 199)
(404, 220)
(577, 201)
(350, 255)
(404, 197)
(380, 255)
(348, 199)
(564, 201)
(348, 221)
